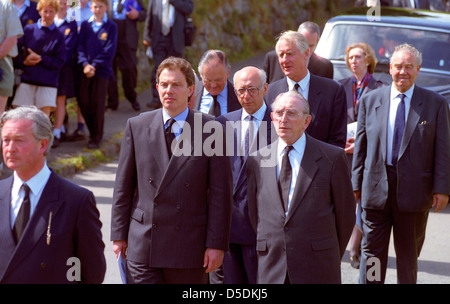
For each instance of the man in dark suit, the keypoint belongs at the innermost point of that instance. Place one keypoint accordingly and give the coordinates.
(300, 201)
(400, 166)
(216, 95)
(165, 39)
(125, 59)
(316, 65)
(326, 97)
(171, 209)
(240, 263)
(50, 229)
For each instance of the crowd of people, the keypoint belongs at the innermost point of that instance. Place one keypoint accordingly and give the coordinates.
(278, 187)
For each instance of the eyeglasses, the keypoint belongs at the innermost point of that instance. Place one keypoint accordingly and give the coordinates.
(278, 114)
(252, 91)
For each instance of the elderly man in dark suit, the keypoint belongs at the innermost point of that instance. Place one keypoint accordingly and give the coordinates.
(316, 65)
(251, 130)
(326, 97)
(50, 229)
(401, 166)
(300, 201)
(165, 35)
(172, 198)
(216, 94)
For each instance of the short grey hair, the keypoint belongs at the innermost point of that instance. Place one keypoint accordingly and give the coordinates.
(42, 127)
(310, 26)
(295, 94)
(294, 38)
(211, 55)
(405, 47)
(262, 75)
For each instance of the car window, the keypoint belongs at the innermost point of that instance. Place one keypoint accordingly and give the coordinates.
(435, 46)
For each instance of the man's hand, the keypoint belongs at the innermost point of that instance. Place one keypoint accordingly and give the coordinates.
(350, 145)
(120, 246)
(133, 14)
(213, 259)
(32, 58)
(89, 71)
(357, 195)
(440, 201)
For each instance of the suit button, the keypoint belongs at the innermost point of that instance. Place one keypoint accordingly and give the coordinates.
(154, 226)
(43, 265)
(150, 180)
(187, 185)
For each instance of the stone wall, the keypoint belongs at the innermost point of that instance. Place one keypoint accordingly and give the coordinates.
(243, 28)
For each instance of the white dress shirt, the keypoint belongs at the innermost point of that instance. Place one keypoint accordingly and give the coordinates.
(207, 101)
(394, 102)
(258, 116)
(304, 85)
(295, 158)
(36, 183)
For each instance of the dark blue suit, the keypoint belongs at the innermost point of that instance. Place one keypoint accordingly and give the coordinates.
(240, 267)
(75, 232)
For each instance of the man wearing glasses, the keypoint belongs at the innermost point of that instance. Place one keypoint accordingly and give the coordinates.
(301, 203)
(251, 130)
(216, 95)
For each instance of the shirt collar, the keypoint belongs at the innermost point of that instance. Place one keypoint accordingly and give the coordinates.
(40, 26)
(304, 83)
(91, 19)
(36, 183)
(299, 145)
(179, 119)
(258, 115)
(408, 94)
(221, 94)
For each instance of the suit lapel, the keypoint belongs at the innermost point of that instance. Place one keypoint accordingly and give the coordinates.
(6, 236)
(415, 111)
(307, 171)
(37, 226)
(382, 115)
(314, 98)
(157, 140)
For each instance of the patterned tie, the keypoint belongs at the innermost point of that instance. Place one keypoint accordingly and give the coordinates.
(23, 216)
(165, 18)
(170, 136)
(215, 107)
(247, 142)
(399, 128)
(285, 177)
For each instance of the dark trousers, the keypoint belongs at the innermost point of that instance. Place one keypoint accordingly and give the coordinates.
(240, 264)
(138, 273)
(126, 61)
(408, 231)
(92, 98)
(161, 51)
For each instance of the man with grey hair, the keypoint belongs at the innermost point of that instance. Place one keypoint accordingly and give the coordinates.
(303, 209)
(401, 165)
(326, 97)
(317, 65)
(253, 130)
(46, 223)
(216, 94)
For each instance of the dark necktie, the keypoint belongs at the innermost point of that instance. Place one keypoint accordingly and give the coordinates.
(296, 86)
(215, 107)
(170, 136)
(399, 128)
(247, 142)
(285, 177)
(23, 215)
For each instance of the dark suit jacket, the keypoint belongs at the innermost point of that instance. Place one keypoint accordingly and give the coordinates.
(424, 159)
(75, 232)
(152, 28)
(171, 211)
(327, 103)
(348, 87)
(317, 65)
(232, 101)
(131, 31)
(242, 231)
(308, 242)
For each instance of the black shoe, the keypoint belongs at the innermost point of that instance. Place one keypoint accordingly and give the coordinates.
(93, 145)
(77, 135)
(56, 142)
(136, 106)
